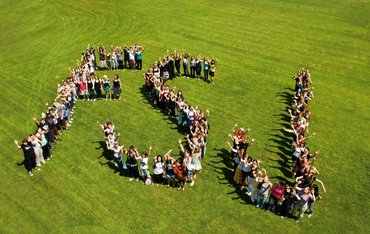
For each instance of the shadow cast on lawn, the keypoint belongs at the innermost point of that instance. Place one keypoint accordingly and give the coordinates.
(281, 140)
(107, 156)
(225, 168)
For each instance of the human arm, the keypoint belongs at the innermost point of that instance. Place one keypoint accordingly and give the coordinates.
(36, 121)
(150, 150)
(231, 147)
(17, 144)
(235, 125)
(168, 153)
(137, 155)
(181, 147)
(322, 185)
(107, 144)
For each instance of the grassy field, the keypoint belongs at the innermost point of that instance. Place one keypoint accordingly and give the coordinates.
(260, 45)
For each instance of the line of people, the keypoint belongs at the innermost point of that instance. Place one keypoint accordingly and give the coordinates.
(169, 67)
(304, 171)
(37, 148)
(113, 58)
(166, 169)
(284, 200)
(88, 85)
(83, 84)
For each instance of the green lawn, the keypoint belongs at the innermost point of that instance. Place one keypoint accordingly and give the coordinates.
(260, 45)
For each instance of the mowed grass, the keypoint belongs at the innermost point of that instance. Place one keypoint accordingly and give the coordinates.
(259, 44)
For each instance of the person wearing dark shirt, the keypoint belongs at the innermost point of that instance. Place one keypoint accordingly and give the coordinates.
(28, 153)
(132, 156)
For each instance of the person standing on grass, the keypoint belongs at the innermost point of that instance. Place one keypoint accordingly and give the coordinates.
(185, 64)
(117, 154)
(213, 70)
(90, 89)
(196, 163)
(315, 189)
(181, 174)
(180, 110)
(114, 60)
(144, 166)
(117, 87)
(98, 87)
(131, 59)
(171, 66)
(277, 193)
(177, 63)
(131, 162)
(29, 155)
(206, 67)
(108, 59)
(289, 198)
(301, 205)
(170, 174)
(198, 67)
(106, 86)
(82, 84)
(126, 56)
(119, 58)
(139, 59)
(44, 144)
(192, 66)
(158, 169)
(37, 147)
(263, 191)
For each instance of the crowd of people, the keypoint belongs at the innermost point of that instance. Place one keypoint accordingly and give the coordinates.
(169, 67)
(37, 148)
(82, 84)
(113, 58)
(283, 199)
(166, 169)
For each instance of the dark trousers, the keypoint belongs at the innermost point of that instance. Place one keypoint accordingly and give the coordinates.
(139, 64)
(91, 94)
(120, 166)
(98, 93)
(127, 62)
(158, 178)
(46, 151)
(192, 71)
(29, 163)
(133, 172)
(120, 64)
(206, 74)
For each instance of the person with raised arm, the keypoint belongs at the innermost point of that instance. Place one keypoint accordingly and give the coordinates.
(117, 154)
(180, 170)
(159, 169)
(98, 87)
(117, 87)
(212, 70)
(300, 207)
(206, 67)
(131, 162)
(198, 67)
(170, 174)
(185, 63)
(28, 153)
(107, 87)
(144, 166)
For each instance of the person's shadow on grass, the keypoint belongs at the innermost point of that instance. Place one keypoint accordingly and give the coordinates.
(222, 163)
(107, 156)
